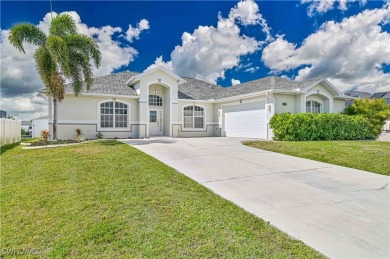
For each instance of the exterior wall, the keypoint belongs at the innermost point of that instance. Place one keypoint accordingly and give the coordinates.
(320, 94)
(38, 125)
(288, 99)
(83, 112)
(167, 81)
(211, 125)
(339, 106)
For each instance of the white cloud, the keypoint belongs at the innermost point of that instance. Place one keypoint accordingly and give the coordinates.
(26, 107)
(251, 69)
(209, 51)
(349, 53)
(134, 32)
(20, 81)
(247, 12)
(323, 6)
(160, 62)
(235, 81)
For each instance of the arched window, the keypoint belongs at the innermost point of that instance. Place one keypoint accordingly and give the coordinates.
(193, 117)
(155, 100)
(113, 115)
(313, 107)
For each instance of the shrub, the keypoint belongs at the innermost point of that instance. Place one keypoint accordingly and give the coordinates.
(45, 134)
(23, 132)
(99, 135)
(376, 111)
(320, 126)
(79, 134)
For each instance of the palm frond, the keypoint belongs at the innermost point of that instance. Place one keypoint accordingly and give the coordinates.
(59, 51)
(86, 45)
(62, 24)
(26, 32)
(81, 71)
(45, 65)
(47, 69)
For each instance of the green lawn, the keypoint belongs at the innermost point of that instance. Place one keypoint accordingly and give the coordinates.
(373, 156)
(107, 199)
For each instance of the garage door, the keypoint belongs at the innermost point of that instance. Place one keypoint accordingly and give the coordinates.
(246, 120)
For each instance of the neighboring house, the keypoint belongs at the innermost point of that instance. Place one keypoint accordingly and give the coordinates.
(357, 94)
(39, 124)
(3, 114)
(384, 95)
(360, 94)
(158, 102)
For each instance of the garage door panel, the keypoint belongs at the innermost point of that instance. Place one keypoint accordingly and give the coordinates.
(248, 120)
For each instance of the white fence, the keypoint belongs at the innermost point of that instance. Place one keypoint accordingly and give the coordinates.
(10, 131)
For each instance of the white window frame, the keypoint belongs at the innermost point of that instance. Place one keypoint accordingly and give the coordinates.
(193, 117)
(99, 128)
(311, 106)
(155, 95)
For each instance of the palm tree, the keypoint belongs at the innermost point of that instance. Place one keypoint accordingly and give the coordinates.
(61, 55)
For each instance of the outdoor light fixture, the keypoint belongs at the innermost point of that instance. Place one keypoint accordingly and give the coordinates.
(156, 92)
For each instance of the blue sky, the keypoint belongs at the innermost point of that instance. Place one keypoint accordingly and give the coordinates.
(273, 37)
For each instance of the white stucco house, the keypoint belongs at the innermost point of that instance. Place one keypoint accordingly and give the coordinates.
(160, 103)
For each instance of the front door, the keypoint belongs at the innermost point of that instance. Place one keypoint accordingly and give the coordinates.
(155, 122)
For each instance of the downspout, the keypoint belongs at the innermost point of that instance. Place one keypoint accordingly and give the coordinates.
(273, 100)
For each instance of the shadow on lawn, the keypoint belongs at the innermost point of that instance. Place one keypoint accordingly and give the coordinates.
(7, 147)
(110, 142)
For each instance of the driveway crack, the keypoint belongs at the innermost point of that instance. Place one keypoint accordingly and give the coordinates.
(377, 189)
(259, 175)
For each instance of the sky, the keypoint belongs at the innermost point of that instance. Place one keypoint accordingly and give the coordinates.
(222, 42)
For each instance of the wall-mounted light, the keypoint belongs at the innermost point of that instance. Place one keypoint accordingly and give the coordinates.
(156, 92)
(284, 104)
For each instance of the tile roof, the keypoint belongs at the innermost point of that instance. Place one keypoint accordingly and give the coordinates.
(384, 95)
(193, 89)
(359, 94)
(114, 84)
(267, 83)
(196, 89)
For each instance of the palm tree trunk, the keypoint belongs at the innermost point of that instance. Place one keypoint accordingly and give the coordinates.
(55, 108)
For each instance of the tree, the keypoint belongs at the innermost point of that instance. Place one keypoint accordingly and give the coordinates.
(375, 110)
(61, 55)
(10, 117)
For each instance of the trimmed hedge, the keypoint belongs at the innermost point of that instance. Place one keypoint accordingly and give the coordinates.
(320, 126)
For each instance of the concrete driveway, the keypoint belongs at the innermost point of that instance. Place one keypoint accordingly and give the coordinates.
(341, 212)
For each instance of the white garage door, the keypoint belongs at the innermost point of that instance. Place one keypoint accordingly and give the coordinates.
(246, 120)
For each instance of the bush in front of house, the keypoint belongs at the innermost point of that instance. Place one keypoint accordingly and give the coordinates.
(320, 126)
(376, 111)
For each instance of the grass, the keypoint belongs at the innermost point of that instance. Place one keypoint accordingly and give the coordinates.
(372, 156)
(107, 199)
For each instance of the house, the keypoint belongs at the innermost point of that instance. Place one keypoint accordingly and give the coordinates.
(158, 102)
(384, 95)
(3, 114)
(357, 94)
(385, 136)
